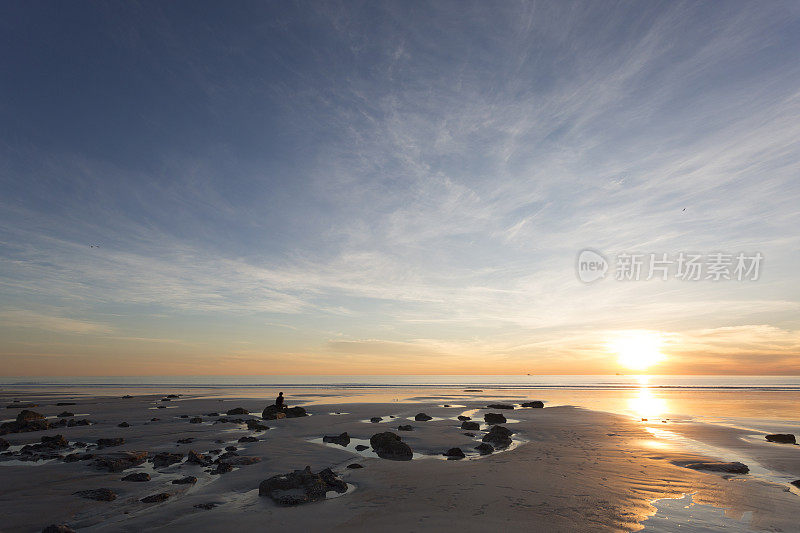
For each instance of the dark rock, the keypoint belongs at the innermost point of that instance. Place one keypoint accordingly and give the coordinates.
(198, 459)
(100, 495)
(222, 468)
(127, 397)
(494, 418)
(187, 440)
(195, 420)
(225, 456)
(535, 404)
(156, 498)
(26, 421)
(238, 411)
(445, 405)
(212, 414)
(464, 418)
(109, 443)
(301, 486)
(714, 466)
(188, 480)
(342, 439)
(271, 412)
(17, 405)
(390, 446)
(173, 395)
(248, 439)
(123, 425)
(165, 400)
(469, 434)
(255, 425)
(782, 438)
(4, 444)
(472, 426)
(231, 448)
(56, 441)
(498, 436)
(119, 461)
(183, 416)
(161, 407)
(61, 528)
(65, 414)
(216, 450)
(155, 420)
(62, 404)
(206, 506)
(138, 477)
(361, 447)
(485, 448)
(375, 419)
(405, 428)
(473, 390)
(796, 483)
(74, 457)
(422, 417)
(73, 423)
(454, 453)
(353, 466)
(500, 406)
(243, 461)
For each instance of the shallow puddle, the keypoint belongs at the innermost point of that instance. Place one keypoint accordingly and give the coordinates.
(683, 514)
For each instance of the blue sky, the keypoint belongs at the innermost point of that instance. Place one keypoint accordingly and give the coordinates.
(379, 187)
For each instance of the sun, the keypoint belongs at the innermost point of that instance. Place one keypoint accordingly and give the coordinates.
(637, 350)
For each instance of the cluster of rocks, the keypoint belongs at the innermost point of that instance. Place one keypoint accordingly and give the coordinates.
(28, 421)
(301, 486)
(273, 412)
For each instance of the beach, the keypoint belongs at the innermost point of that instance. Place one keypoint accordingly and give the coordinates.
(567, 468)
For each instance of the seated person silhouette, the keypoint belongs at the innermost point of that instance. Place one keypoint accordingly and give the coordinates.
(279, 402)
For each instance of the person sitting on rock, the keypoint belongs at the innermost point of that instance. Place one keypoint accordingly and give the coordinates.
(279, 402)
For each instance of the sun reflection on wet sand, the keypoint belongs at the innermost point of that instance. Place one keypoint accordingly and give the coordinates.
(646, 404)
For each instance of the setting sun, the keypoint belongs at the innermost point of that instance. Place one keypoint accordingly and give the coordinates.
(637, 350)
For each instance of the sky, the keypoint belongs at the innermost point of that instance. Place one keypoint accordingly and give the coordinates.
(401, 187)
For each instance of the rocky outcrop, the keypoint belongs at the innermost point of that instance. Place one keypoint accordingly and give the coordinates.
(196, 420)
(255, 425)
(237, 411)
(188, 480)
(499, 406)
(195, 458)
(390, 446)
(272, 412)
(422, 417)
(354, 466)
(123, 425)
(156, 498)
(110, 443)
(375, 419)
(247, 439)
(75, 457)
(454, 453)
(25, 422)
(301, 486)
(361, 447)
(485, 448)
(342, 439)
(782, 438)
(100, 495)
(187, 440)
(4, 444)
(65, 414)
(407, 427)
(536, 404)
(715, 466)
(498, 436)
(470, 426)
(137, 477)
(463, 418)
(494, 418)
(119, 461)
(242, 461)
(222, 468)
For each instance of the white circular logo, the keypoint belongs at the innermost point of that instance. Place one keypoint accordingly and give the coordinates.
(591, 266)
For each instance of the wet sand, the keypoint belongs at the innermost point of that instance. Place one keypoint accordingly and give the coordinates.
(569, 469)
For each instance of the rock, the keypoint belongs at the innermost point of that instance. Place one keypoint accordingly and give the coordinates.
(65, 414)
(56, 441)
(198, 459)
(243, 461)
(17, 405)
(498, 436)
(342, 439)
(183, 416)
(499, 406)
(225, 456)
(165, 400)
(472, 435)
(361, 447)
(301, 486)
(75, 457)
(473, 390)
(164, 459)
(255, 425)
(100, 495)
(422, 417)
(796, 483)
(62, 404)
(138, 477)
(471, 426)
(484, 448)
(119, 461)
(354, 466)
(195, 420)
(222, 468)
(238, 411)
(454, 453)
(445, 405)
(535, 404)
(109, 443)
(61, 528)
(26, 421)
(206, 506)
(375, 419)
(127, 397)
(73, 423)
(4, 444)
(248, 439)
(782, 438)
(123, 425)
(188, 480)
(155, 420)
(212, 414)
(390, 446)
(272, 412)
(231, 448)
(187, 440)
(173, 395)
(494, 418)
(156, 498)
(405, 428)
(714, 466)
(464, 418)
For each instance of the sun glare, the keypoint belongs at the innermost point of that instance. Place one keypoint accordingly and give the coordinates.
(637, 350)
